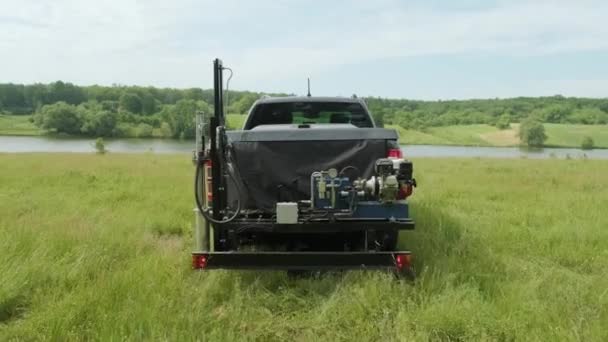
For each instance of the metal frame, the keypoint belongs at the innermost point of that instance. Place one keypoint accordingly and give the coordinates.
(205, 257)
(304, 260)
(319, 226)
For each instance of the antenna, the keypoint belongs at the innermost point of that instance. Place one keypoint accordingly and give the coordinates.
(308, 87)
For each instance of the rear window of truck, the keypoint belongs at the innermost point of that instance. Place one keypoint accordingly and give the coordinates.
(309, 113)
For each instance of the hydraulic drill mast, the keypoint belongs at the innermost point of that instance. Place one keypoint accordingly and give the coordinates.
(217, 126)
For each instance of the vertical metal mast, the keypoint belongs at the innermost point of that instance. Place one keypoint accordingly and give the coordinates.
(217, 121)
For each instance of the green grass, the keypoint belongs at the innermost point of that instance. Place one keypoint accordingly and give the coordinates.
(463, 135)
(97, 247)
(558, 135)
(572, 135)
(18, 125)
(410, 136)
(235, 121)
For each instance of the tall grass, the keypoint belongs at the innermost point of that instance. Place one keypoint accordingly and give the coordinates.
(97, 247)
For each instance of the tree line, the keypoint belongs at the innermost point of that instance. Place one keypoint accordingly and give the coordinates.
(135, 111)
(496, 112)
(115, 111)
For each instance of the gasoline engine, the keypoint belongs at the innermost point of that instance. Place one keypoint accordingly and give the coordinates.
(336, 195)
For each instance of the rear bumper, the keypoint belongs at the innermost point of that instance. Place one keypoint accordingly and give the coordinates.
(320, 225)
(397, 260)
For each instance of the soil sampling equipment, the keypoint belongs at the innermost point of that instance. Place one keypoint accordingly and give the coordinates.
(309, 183)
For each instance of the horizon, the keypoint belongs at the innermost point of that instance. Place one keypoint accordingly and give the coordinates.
(312, 92)
(424, 51)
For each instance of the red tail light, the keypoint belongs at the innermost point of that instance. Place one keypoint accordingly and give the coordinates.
(395, 153)
(199, 261)
(403, 261)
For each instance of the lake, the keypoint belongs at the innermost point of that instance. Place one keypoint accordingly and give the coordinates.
(16, 144)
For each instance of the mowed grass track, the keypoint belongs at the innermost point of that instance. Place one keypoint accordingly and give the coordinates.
(97, 247)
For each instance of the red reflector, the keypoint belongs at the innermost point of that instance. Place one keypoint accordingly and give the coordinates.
(395, 153)
(403, 261)
(199, 261)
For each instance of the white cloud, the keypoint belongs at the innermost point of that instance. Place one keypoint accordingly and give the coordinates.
(170, 43)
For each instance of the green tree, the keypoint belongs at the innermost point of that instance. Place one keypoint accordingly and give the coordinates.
(99, 123)
(165, 130)
(504, 122)
(144, 130)
(59, 117)
(589, 116)
(100, 146)
(556, 113)
(181, 117)
(532, 133)
(379, 118)
(242, 105)
(148, 104)
(131, 103)
(66, 92)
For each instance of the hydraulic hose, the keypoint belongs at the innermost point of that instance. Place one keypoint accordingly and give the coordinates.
(205, 212)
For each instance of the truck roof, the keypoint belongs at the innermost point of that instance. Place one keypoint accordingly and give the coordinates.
(288, 99)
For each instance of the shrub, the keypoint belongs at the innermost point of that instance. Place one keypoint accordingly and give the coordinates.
(100, 146)
(587, 143)
(59, 117)
(98, 123)
(130, 102)
(124, 129)
(532, 133)
(503, 122)
(144, 130)
(165, 130)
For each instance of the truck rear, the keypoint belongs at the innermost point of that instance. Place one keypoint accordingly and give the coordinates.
(309, 183)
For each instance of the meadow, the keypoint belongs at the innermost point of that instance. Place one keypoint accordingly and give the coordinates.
(18, 125)
(98, 247)
(558, 135)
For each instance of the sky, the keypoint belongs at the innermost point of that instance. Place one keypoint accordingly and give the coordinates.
(400, 49)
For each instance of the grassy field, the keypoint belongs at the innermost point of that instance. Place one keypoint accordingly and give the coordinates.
(17, 125)
(572, 135)
(559, 135)
(97, 247)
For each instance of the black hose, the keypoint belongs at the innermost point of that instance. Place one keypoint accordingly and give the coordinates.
(350, 167)
(205, 212)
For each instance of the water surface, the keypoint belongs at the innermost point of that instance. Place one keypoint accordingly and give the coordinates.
(15, 144)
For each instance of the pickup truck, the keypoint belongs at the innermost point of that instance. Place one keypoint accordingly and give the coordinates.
(309, 183)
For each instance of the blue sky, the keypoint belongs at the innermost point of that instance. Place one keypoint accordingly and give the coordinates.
(407, 49)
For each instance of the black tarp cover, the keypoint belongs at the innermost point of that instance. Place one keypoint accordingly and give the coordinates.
(277, 167)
